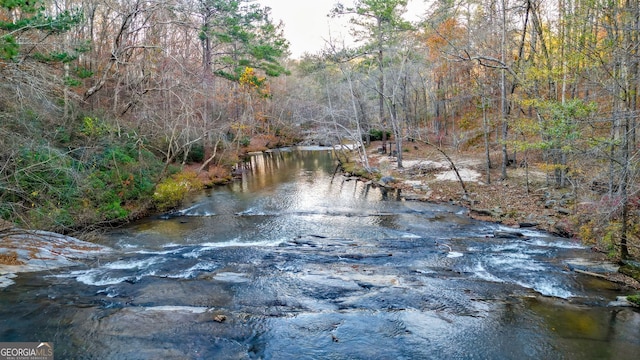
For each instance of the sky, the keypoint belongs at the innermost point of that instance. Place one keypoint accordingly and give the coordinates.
(308, 28)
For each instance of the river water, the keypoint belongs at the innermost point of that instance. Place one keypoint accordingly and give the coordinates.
(294, 262)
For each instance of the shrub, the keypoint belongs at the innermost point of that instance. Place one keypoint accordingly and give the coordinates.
(245, 141)
(376, 134)
(219, 175)
(171, 191)
(51, 217)
(356, 170)
(114, 210)
(46, 174)
(94, 127)
(196, 154)
(63, 176)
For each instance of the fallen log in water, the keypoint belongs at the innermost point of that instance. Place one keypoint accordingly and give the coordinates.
(614, 278)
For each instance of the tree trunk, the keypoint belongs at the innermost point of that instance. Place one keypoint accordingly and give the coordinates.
(503, 93)
(624, 193)
(485, 126)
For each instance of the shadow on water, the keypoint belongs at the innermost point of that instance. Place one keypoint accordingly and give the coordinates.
(294, 262)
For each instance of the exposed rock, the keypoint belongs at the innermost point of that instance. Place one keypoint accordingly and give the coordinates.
(481, 212)
(632, 263)
(508, 235)
(527, 224)
(622, 301)
(563, 230)
(387, 180)
(32, 250)
(495, 212)
(220, 318)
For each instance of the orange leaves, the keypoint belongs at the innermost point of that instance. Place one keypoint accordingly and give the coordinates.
(448, 31)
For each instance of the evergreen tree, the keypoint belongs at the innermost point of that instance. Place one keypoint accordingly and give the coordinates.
(236, 34)
(28, 22)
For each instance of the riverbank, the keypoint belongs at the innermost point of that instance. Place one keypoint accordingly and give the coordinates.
(426, 175)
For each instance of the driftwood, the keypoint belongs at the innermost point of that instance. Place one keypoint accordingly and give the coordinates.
(600, 276)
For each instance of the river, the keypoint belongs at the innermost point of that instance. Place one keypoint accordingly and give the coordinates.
(295, 262)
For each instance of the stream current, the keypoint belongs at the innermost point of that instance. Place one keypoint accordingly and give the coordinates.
(294, 262)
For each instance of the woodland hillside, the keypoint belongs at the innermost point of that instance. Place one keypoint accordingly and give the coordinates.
(109, 109)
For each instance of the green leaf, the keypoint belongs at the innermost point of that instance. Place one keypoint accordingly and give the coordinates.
(8, 47)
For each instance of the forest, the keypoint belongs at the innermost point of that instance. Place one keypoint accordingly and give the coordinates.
(112, 109)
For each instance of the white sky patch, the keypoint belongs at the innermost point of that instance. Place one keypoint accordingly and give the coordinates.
(308, 28)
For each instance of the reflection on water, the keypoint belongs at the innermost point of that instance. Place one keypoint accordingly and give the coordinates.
(294, 262)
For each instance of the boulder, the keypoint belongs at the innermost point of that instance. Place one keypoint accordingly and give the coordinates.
(562, 229)
(495, 212)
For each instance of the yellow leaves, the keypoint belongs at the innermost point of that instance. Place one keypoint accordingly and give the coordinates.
(249, 80)
(526, 126)
(170, 192)
(238, 127)
(549, 168)
(247, 76)
(94, 127)
(535, 74)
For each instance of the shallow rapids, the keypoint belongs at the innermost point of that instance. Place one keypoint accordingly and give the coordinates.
(294, 262)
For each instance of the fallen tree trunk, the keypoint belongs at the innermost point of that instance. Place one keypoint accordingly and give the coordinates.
(614, 278)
